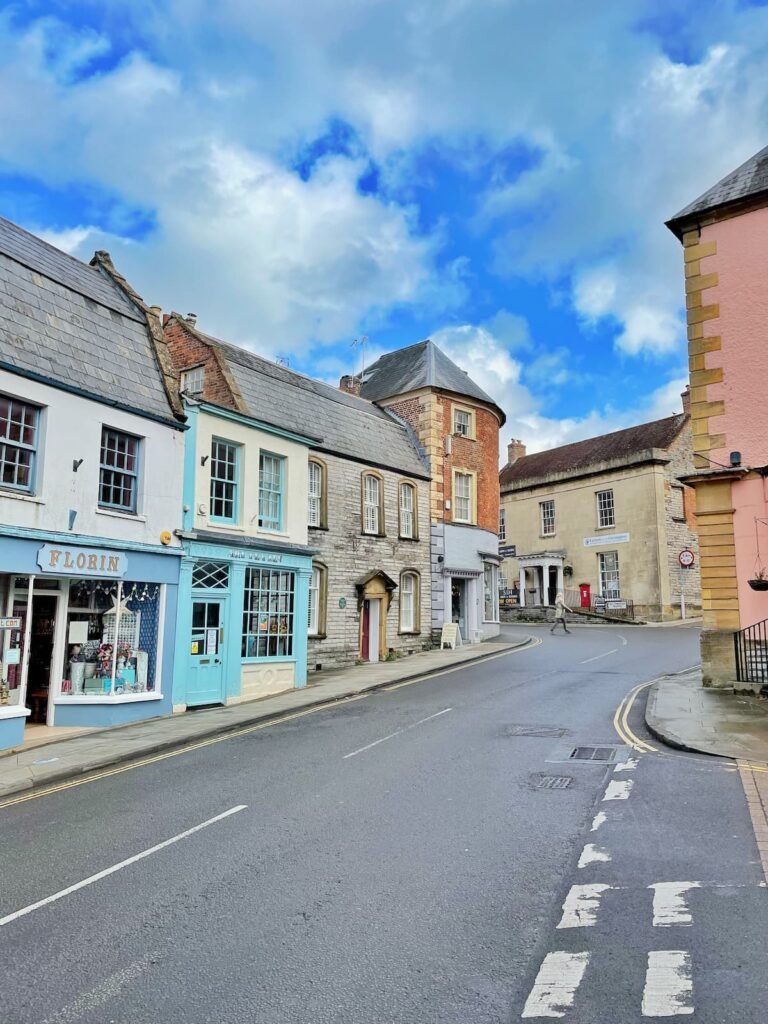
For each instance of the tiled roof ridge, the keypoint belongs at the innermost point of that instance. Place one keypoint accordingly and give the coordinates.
(58, 254)
(102, 263)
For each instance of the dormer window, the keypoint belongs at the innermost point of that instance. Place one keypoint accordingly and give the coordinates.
(193, 381)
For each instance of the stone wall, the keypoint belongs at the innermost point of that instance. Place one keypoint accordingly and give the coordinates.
(348, 555)
(680, 522)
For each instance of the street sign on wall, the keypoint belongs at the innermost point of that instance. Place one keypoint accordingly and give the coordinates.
(508, 550)
(686, 558)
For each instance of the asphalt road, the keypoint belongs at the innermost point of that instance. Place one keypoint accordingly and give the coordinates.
(405, 858)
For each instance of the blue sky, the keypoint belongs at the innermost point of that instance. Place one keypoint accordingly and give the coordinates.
(494, 174)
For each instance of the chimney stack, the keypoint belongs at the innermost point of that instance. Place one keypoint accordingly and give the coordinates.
(686, 396)
(515, 451)
(350, 384)
(156, 311)
(191, 319)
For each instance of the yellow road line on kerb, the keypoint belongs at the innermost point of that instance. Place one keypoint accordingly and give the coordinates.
(621, 721)
(234, 733)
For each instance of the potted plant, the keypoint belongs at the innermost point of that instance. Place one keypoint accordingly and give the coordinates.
(759, 580)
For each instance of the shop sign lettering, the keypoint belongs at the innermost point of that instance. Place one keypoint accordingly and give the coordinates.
(606, 538)
(255, 556)
(66, 561)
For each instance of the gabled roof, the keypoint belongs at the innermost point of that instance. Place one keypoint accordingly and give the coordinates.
(423, 365)
(627, 445)
(349, 426)
(748, 180)
(68, 323)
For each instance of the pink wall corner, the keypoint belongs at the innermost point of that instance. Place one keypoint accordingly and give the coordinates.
(749, 502)
(742, 293)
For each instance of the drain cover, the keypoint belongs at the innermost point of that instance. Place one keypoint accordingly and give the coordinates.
(593, 754)
(547, 731)
(553, 781)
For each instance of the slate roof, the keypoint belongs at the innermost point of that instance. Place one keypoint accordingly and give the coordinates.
(750, 179)
(422, 365)
(621, 445)
(68, 322)
(348, 426)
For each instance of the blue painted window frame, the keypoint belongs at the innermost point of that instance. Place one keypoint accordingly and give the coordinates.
(23, 452)
(121, 474)
(226, 481)
(268, 520)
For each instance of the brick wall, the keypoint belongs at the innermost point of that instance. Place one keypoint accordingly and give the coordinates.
(186, 351)
(480, 455)
(349, 555)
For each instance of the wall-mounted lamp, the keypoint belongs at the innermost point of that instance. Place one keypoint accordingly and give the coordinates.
(735, 459)
(72, 515)
(76, 464)
(203, 459)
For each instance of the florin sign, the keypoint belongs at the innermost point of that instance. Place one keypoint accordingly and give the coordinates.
(68, 561)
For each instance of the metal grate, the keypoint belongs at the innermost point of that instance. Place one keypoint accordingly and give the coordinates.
(553, 781)
(593, 754)
(210, 576)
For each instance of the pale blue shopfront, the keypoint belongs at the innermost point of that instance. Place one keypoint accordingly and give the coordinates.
(242, 625)
(60, 592)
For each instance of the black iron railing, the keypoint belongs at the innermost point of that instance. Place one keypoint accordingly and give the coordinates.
(751, 648)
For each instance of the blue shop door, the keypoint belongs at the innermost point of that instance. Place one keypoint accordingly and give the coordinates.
(205, 684)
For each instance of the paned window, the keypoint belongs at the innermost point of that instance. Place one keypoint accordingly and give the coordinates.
(118, 470)
(268, 609)
(502, 524)
(271, 483)
(547, 512)
(314, 601)
(490, 593)
(225, 459)
(210, 576)
(315, 508)
(193, 381)
(18, 443)
(606, 514)
(409, 602)
(462, 422)
(407, 511)
(608, 563)
(372, 511)
(462, 497)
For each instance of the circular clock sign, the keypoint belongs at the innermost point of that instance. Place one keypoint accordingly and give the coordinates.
(686, 558)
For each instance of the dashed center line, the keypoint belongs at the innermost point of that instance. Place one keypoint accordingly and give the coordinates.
(598, 656)
(592, 854)
(618, 790)
(581, 905)
(398, 732)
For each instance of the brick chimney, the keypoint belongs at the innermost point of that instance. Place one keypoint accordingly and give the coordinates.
(515, 451)
(686, 397)
(350, 384)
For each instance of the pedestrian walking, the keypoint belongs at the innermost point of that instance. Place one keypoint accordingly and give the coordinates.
(560, 609)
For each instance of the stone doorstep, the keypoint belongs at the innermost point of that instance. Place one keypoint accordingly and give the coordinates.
(24, 776)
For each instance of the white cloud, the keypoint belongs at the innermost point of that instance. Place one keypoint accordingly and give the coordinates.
(69, 240)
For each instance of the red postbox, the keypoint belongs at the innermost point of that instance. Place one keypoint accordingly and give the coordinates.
(585, 593)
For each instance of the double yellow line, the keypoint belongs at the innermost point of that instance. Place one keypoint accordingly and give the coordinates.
(621, 721)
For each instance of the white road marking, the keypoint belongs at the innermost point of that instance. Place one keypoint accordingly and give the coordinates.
(668, 988)
(399, 732)
(669, 906)
(118, 867)
(581, 906)
(556, 984)
(623, 639)
(598, 656)
(102, 993)
(592, 854)
(599, 819)
(627, 766)
(618, 790)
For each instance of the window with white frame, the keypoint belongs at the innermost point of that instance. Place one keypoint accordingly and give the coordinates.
(462, 497)
(268, 609)
(606, 513)
(490, 592)
(18, 443)
(547, 514)
(193, 381)
(608, 564)
(408, 511)
(271, 485)
(409, 602)
(462, 422)
(502, 524)
(118, 470)
(373, 519)
(315, 489)
(225, 460)
(314, 601)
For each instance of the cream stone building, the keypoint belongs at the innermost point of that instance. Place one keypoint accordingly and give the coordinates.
(605, 520)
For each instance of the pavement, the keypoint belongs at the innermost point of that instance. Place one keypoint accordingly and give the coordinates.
(430, 854)
(684, 714)
(52, 763)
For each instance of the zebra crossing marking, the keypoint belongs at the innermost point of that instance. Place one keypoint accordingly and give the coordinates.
(669, 905)
(668, 990)
(581, 905)
(556, 984)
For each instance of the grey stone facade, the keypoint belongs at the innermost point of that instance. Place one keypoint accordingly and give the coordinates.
(349, 556)
(679, 533)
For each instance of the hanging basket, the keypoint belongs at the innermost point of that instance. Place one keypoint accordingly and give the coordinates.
(758, 584)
